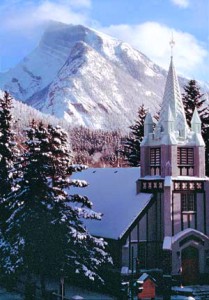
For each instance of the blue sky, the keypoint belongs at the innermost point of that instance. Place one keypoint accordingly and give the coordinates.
(146, 24)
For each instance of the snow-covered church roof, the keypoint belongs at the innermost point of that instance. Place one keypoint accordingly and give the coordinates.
(113, 193)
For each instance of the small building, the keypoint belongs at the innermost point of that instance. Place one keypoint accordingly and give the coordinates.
(158, 214)
(148, 285)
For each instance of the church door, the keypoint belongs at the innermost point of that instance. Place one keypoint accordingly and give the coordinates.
(190, 265)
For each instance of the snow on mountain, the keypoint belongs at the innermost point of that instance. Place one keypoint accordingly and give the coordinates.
(86, 77)
(23, 115)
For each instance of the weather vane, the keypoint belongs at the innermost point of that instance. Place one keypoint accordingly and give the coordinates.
(172, 44)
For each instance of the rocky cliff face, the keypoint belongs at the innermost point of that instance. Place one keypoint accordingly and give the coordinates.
(87, 78)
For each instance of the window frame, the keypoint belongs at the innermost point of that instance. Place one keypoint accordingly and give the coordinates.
(188, 203)
(155, 160)
(185, 161)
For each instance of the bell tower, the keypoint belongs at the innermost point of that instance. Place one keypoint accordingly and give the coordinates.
(173, 170)
(172, 148)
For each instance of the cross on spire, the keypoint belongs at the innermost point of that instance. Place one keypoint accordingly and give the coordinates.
(172, 44)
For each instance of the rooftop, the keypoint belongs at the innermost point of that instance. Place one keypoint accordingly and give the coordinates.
(113, 193)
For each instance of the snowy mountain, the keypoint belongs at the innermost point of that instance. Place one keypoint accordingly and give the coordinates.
(87, 78)
(23, 115)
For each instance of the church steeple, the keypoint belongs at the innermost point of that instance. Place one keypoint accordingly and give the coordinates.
(172, 101)
(172, 140)
(172, 169)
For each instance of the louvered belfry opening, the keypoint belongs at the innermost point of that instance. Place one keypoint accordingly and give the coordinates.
(185, 161)
(155, 161)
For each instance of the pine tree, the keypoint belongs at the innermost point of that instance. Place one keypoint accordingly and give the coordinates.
(192, 97)
(8, 155)
(45, 235)
(132, 143)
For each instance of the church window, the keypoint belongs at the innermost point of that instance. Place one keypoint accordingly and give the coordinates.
(185, 161)
(187, 202)
(142, 254)
(188, 211)
(155, 160)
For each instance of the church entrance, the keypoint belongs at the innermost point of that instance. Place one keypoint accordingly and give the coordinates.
(190, 265)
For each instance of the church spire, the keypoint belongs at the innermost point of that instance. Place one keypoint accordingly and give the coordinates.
(196, 122)
(172, 44)
(172, 101)
(148, 124)
(172, 138)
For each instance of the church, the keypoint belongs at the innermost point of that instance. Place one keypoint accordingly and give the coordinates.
(156, 217)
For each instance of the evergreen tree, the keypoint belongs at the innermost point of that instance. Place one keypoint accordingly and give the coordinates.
(8, 155)
(132, 143)
(192, 97)
(45, 235)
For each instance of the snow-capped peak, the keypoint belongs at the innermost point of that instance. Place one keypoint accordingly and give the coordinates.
(86, 77)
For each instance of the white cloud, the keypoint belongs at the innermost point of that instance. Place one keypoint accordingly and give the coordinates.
(152, 39)
(23, 23)
(181, 3)
(24, 18)
(30, 15)
(80, 3)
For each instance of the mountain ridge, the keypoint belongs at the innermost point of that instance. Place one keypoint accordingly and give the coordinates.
(87, 78)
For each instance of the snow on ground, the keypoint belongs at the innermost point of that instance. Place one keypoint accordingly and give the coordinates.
(71, 291)
(178, 297)
(4, 295)
(87, 295)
